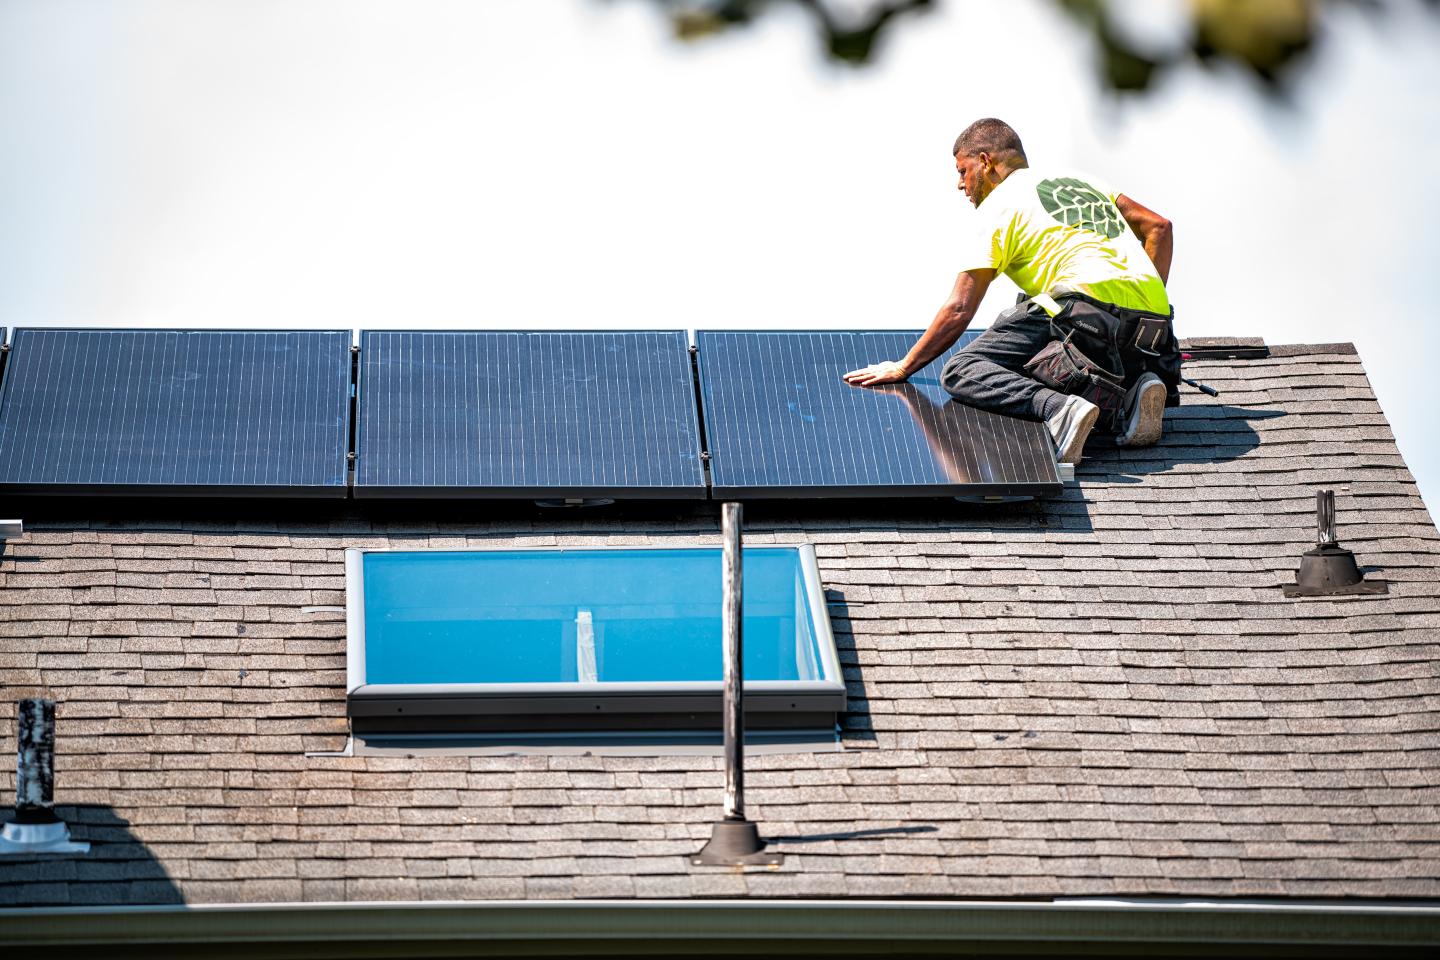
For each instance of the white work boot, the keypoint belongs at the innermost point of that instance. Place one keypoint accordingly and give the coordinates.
(1070, 426)
(1145, 413)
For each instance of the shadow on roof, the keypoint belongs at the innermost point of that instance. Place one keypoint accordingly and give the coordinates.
(856, 834)
(1201, 433)
(855, 726)
(119, 870)
(329, 518)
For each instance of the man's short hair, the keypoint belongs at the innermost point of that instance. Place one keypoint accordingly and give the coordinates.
(995, 137)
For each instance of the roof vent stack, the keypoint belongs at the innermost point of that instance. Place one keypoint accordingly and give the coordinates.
(734, 841)
(1330, 570)
(36, 828)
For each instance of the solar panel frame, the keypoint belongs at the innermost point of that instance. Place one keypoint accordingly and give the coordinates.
(935, 456)
(683, 478)
(122, 444)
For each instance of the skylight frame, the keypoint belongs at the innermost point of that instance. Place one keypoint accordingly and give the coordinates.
(661, 706)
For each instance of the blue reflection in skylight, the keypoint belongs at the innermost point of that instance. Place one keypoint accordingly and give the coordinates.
(562, 616)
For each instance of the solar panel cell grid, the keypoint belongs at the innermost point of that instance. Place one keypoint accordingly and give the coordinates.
(780, 421)
(565, 414)
(155, 411)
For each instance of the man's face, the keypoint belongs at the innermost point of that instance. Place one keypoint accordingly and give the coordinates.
(976, 176)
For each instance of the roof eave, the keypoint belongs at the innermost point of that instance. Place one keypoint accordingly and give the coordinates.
(819, 927)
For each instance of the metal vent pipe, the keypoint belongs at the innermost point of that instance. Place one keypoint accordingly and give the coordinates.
(733, 637)
(734, 840)
(35, 763)
(1325, 518)
(1329, 570)
(36, 828)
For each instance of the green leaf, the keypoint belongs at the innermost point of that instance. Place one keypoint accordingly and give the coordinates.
(1077, 204)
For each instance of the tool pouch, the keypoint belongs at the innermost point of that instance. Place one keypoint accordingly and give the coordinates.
(1124, 343)
(1062, 366)
(1094, 331)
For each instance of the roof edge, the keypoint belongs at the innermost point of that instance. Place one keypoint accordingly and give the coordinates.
(714, 927)
(1310, 349)
(1255, 348)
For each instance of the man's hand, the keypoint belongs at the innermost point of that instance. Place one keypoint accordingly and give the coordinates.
(886, 371)
(944, 330)
(942, 333)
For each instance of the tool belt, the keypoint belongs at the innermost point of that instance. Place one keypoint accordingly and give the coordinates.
(1120, 344)
(1061, 365)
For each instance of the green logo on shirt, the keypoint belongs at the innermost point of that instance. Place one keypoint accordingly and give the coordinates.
(1077, 204)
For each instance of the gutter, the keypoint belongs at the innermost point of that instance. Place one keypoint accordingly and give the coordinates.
(716, 927)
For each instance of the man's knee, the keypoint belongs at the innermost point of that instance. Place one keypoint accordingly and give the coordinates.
(955, 375)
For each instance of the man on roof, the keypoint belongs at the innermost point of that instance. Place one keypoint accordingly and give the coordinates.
(1092, 263)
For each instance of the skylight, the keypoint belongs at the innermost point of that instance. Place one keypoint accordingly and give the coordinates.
(582, 640)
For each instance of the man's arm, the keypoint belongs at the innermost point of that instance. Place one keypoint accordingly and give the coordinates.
(944, 330)
(1154, 232)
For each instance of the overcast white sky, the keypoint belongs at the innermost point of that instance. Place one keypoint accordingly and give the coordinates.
(249, 163)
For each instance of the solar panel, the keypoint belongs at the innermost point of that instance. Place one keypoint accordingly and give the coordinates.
(781, 422)
(217, 412)
(527, 414)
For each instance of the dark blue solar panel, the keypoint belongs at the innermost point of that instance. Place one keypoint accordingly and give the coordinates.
(516, 414)
(780, 421)
(158, 411)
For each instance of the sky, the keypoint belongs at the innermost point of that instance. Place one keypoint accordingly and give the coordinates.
(569, 164)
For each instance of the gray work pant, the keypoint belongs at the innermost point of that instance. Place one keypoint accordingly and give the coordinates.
(987, 375)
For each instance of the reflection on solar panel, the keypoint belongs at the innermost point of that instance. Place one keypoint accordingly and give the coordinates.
(781, 422)
(168, 411)
(512, 414)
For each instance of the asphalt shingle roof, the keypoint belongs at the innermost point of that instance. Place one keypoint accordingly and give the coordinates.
(1103, 694)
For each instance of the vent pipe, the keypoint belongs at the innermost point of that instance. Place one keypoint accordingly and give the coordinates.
(36, 828)
(1325, 519)
(734, 840)
(1330, 570)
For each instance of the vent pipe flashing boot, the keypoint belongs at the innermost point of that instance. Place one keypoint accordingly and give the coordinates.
(35, 828)
(1330, 570)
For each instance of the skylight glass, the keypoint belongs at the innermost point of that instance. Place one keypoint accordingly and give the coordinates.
(617, 634)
